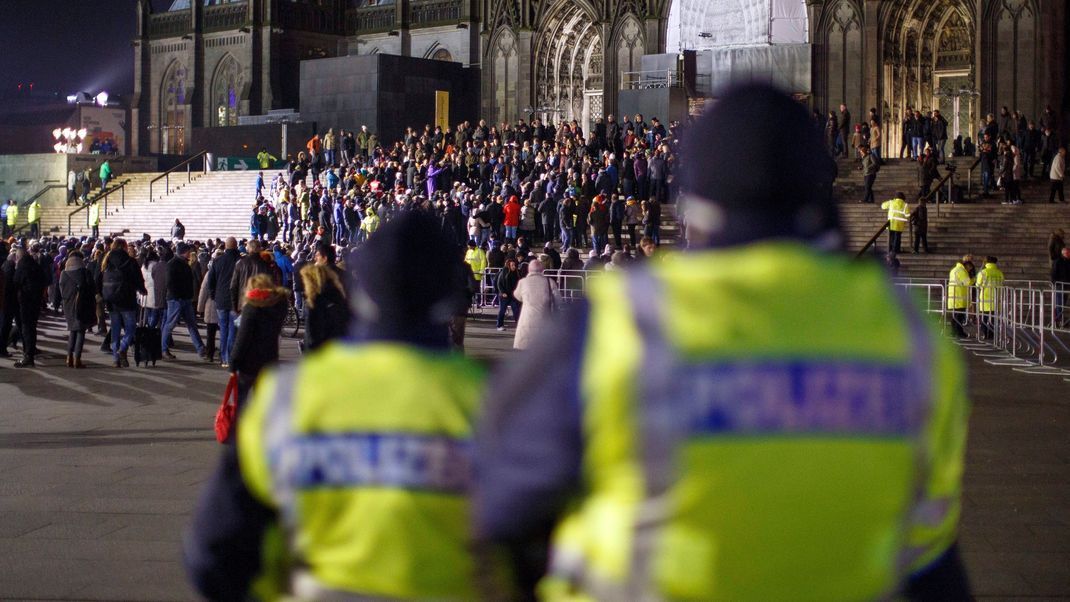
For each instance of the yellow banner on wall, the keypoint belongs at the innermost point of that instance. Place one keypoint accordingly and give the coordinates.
(442, 109)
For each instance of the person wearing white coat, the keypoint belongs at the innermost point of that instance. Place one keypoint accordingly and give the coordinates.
(540, 299)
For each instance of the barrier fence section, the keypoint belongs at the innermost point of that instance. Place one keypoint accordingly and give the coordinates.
(571, 284)
(1024, 323)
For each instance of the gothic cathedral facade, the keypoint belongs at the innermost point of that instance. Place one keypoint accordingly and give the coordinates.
(209, 62)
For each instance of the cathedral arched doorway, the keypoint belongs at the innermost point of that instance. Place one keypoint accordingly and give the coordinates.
(929, 65)
(569, 74)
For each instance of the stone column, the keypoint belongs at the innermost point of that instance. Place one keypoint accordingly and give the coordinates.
(525, 66)
(871, 52)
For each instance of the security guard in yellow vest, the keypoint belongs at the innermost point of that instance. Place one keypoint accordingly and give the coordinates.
(94, 218)
(959, 282)
(989, 281)
(476, 258)
(898, 220)
(758, 419)
(357, 461)
(33, 218)
(12, 216)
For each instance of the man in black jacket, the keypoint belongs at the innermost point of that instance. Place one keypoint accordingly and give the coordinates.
(219, 279)
(505, 284)
(10, 314)
(180, 301)
(247, 267)
(30, 283)
(120, 281)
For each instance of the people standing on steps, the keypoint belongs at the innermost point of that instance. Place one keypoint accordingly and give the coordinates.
(1057, 175)
(843, 142)
(94, 219)
(72, 184)
(12, 217)
(898, 219)
(919, 224)
(33, 218)
(869, 173)
(105, 175)
(78, 291)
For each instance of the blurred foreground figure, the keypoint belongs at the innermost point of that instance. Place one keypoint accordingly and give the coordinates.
(352, 468)
(759, 419)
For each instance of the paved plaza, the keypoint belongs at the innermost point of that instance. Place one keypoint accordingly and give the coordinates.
(100, 468)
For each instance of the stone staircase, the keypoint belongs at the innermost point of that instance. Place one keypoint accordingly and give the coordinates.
(215, 204)
(1017, 234)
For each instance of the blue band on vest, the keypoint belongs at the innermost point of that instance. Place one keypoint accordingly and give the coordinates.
(795, 397)
(403, 461)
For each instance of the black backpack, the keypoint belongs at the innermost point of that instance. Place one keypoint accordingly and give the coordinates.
(114, 288)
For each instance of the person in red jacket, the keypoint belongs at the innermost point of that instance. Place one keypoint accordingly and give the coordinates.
(511, 219)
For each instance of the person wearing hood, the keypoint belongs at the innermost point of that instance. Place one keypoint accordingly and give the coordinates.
(78, 291)
(379, 428)
(684, 435)
(257, 343)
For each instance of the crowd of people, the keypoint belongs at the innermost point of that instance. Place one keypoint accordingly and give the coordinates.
(496, 192)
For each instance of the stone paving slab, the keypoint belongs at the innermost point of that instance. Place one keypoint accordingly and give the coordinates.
(99, 470)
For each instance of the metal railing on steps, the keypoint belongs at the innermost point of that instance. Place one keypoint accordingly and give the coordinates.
(873, 239)
(166, 176)
(29, 201)
(103, 195)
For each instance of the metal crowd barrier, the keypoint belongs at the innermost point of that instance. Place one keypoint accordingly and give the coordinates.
(571, 284)
(1028, 326)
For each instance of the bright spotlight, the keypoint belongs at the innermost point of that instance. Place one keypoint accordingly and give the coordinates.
(102, 99)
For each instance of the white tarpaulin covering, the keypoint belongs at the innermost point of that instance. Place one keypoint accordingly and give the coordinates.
(701, 24)
(786, 66)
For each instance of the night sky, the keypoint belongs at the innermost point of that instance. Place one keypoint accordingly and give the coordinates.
(67, 46)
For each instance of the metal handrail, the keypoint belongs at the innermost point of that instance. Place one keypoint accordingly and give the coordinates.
(102, 195)
(166, 176)
(29, 201)
(932, 191)
(969, 177)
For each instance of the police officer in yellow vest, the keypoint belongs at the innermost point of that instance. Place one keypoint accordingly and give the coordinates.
(758, 419)
(94, 218)
(12, 216)
(357, 461)
(959, 282)
(898, 220)
(33, 218)
(989, 281)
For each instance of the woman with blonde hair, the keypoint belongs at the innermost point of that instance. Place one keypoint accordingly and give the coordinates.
(326, 310)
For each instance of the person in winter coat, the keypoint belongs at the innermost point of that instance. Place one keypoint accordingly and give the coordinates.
(505, 284)
(206, 306)
(178, 231)
(633, 218)
(154, 274)
(120, 283)
(78, 291)
(326, 313)
(30, 280)
(257, 343)
(540, 298)
(247, 267)
(527, 221)
(220, 276)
